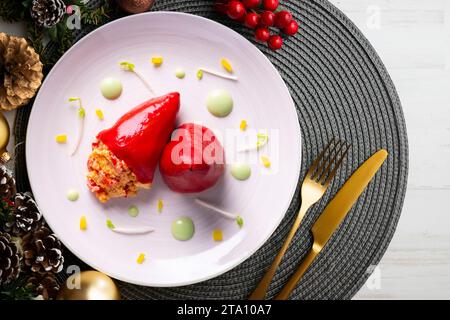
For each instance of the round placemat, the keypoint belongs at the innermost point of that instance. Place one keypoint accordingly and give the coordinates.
(341, 89)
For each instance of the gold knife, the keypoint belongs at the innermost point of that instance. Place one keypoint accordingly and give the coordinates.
(334, 213)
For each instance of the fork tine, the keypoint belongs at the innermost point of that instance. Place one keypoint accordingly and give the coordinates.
(337, 165)
(326, 160)
(315, 164)
(325, 168)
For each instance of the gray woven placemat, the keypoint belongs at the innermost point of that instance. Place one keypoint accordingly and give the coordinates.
(342, 89)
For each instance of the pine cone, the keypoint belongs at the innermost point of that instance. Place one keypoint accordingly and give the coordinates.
(42, 251)
(20, 72)
(26, 216)
(9, 259)
(45, 285)
(7, 184)
(47, 13)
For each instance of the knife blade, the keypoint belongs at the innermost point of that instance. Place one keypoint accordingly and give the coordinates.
(334, 213)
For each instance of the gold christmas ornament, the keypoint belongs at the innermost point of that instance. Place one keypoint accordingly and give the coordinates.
(4, 139)
(135, 6)
(20, 72)
(89, 285)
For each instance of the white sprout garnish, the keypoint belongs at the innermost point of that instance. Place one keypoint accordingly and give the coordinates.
(226, 214)
(81, 116)
(128, 66)
(215, 73)
(139, 230)
(261, 141)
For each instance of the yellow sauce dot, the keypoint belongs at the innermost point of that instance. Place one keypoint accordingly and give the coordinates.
(140, 259)
(160, 205)
(157, 61)
(217, 235)
(99, 114)
(226, 65)
(83, 223)
(61, 138)
(243, 125)
(266, 162)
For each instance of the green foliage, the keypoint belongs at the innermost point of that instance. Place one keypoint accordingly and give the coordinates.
(52, 43)
(12, 11)
(96, 16)
(6, 213)
(17, 290)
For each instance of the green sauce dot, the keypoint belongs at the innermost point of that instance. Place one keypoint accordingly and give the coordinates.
(219, 103)
(111, 88)
(241, 171)
(72, 195)
(183, 228)
(179, 73)
(133, 211)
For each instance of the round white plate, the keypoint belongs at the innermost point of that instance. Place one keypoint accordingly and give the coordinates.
(260, 97)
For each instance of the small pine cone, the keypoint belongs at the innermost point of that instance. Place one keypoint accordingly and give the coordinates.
(45, 285)
(47, 13)
(9, 259)
(26, 215)
(7, 184)
(20, 72)
(42, 251)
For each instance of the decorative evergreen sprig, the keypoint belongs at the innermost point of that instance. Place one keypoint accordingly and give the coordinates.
(6, 213)
(51, 43)
(17, 290)
(12, 11)
(95, 16)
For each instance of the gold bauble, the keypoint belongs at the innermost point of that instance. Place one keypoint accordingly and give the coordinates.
(135, 6)
(4, 139)
(93, 285)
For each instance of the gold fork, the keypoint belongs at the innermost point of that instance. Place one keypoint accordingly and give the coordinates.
(316, 182)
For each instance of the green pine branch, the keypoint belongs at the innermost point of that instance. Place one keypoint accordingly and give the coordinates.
(17, 290)
(59, 38)
(6, 213)
(11, 11)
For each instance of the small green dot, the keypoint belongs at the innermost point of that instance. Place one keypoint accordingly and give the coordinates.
(72, 195)
(219, 103)
(241, 171)
(111, 88)
(179, 73)
(183, 228)
(133, 211)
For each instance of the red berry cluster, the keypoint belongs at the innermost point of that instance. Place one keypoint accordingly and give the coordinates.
(260, 15)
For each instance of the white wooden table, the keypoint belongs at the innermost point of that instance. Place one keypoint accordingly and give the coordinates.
(413, 39)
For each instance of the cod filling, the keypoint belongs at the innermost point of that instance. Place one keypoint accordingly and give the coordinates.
(108, 176)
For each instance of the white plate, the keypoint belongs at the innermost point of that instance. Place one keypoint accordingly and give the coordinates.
(260, 97)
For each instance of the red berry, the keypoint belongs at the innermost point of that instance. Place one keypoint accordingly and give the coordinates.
(251, 4)
(262, 34)
(270, 5)
(275, 42)
(236, 10)
(221, 7)
(252, 20)
(242, 19)
(267, 18)
(291, 28)
(282, 19)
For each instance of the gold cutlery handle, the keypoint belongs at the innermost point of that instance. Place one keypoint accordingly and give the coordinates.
(260, 292)
(292, 283)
